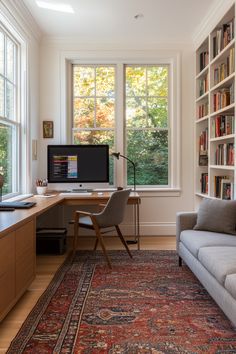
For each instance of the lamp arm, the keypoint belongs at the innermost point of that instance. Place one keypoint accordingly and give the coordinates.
(134, 166)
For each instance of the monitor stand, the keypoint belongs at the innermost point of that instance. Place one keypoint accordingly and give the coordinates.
(82, 190)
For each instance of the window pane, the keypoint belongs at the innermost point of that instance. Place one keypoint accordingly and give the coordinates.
(10, 60)
(2, 61)
(135, 81)
(84, 112)
(10, 101)
(149, 150)
(6, 133)
(157, 112)
(136, 115)
(105, 81)
(105, 113)
(84, 81)
(157, 81)
(97, 137)
(2, 113)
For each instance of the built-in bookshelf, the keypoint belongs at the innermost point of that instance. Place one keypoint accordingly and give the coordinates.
(215, 112)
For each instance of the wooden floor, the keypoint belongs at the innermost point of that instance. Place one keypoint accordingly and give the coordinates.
(47, 266)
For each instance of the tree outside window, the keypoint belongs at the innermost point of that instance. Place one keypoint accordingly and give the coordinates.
(147, 123)
(94, 106)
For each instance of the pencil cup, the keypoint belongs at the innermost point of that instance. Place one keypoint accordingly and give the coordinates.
(41, 189)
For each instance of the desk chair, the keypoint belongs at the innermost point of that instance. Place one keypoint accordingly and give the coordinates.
(111, 216)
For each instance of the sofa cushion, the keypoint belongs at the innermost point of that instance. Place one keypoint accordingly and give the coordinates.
(217, 216)
(219, 261)
(230, 284)
(194, 240)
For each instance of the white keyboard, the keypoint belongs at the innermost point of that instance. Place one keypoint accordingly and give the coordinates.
(75, 194)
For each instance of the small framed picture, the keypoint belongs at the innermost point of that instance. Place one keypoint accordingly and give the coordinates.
(226, 189)
(48, 129)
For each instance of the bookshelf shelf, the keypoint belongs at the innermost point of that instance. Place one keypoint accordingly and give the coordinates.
(200, 98)
(215, 110)
(224, 83)
(223, 54)
(203, 72)
(227, 109)
(205, 118)
(225, 137)
(222, 167)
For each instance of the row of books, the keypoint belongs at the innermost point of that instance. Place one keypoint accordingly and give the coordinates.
(204, 183)
(224, 154)
(223, 98)
(203, 60)
(203, 141)
(224, 69)
(222, 125)
(223, 187)
(222, 37)
(203, 85)
(202, 110)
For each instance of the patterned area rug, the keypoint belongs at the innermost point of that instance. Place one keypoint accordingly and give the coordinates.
(144, 305)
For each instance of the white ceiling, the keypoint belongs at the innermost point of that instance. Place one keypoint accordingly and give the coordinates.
(113, 20)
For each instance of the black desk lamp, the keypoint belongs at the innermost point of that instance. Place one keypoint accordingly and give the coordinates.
(118, 155)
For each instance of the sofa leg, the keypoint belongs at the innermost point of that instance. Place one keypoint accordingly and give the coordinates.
(180, 261)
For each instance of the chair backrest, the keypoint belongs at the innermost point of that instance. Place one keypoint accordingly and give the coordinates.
(114, 211)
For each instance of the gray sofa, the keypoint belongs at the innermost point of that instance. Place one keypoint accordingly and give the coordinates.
(212, 258)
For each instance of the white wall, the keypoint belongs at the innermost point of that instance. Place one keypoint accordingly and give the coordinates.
(158, 210)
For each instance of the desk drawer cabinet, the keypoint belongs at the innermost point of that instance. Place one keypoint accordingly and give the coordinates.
(17, 265)
(25, 256)
(7, 271)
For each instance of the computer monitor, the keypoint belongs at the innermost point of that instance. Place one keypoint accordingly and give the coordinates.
(78, 164)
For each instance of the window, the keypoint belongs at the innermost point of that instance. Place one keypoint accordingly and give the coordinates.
(9, 126)
(130, 107)
(147, 123)
(94, 106)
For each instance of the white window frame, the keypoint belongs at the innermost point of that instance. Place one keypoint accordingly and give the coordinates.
(129, 58)
(21, 177)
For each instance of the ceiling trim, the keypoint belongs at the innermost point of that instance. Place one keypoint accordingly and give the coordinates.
(19, 13)
(73, 40)
(208, 23)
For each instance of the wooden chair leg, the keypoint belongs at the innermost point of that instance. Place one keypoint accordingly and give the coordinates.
(100, 239)
(123, 240)
(96, 244)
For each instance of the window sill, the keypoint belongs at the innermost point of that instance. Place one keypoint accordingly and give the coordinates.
(158, 192)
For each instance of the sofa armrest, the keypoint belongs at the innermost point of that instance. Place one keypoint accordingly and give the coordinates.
(184, 221)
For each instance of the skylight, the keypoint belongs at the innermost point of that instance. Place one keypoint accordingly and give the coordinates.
(55, 6)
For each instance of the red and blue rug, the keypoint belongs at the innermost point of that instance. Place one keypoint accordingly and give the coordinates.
(144, 305)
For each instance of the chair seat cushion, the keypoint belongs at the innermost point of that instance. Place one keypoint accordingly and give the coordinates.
(219, 261)
(194, 240)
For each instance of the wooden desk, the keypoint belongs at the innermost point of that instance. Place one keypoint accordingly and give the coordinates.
(18, 239)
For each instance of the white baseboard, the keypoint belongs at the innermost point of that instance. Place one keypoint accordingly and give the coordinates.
(147, 229)
(152, 228)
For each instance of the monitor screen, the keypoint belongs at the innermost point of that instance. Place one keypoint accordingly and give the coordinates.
(78, 163)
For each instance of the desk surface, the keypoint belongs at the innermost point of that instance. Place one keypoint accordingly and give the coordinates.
(9, 220)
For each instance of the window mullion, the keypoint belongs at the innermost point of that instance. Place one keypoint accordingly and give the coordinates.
(120, 142)
(95, 96)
